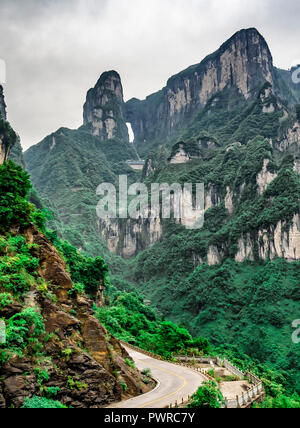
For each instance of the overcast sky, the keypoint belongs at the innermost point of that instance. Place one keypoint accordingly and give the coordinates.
(55, 50)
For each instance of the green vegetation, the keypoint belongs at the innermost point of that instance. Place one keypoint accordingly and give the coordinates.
(15, 210)
(23, 291)
(255, 339)
(251, 305)
(244, 309)
(17, 270)
(5, 300)
(129, 319)
(208, 396)
(42, 403)
(66, 168)
(124, 386)
(130, 363)
(23, 331)
(281, 402)
(86, 272)
(147, 373)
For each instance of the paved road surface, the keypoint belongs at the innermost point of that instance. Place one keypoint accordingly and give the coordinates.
(175, 383)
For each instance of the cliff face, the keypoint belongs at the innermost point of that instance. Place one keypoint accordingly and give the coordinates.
(291, 139)
(278, 239)
(3, 151)
(128, 238)
(104, 108)
(80, 358)
(242, 63)
(281, 240)
(198, 107)
(2, 104)
(15, 153)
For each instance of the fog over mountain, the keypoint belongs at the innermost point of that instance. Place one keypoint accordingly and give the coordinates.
(55, 50)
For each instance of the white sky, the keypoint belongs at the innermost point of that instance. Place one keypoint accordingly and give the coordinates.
(55, 50)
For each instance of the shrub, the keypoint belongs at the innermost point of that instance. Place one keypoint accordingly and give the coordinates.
(147, 373)
(51, 391)
(7, 135)
(130, 363)
(124, 386)
(67, 353)
(42, 375)
(41, 403)
(5, 300)
(281, 402)
(207, 396)
(24, 326)
(14, 187)
(78, 288)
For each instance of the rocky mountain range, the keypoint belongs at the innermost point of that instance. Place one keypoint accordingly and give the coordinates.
(231, 122)
(233, 95)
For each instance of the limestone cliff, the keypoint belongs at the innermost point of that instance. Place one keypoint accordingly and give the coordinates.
(2, 104)
(14, 153)
(243, 63)
(104, 108)
(282, 240)
(212, 109)
(3, 150)
(291, 138)
(128, 238)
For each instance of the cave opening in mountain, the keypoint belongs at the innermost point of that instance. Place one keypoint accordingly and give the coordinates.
(130, 132)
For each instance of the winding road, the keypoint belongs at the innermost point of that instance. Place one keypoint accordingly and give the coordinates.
(174, 383)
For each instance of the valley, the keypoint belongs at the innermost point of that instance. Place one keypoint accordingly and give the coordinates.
(228, 289)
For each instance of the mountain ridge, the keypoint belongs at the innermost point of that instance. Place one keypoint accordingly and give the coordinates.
(236, 278)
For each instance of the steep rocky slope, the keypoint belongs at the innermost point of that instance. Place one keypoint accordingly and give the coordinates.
(241, 65)
(231, 123)
(2, 104)
(15, 152)
(104, 109)
(54, 347)
(231, 96)
(208, 158)
(80, 358)
(67, 166)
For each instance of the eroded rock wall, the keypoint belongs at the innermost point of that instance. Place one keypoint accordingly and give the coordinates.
(82, 360)
(104, 108)
(243, 63)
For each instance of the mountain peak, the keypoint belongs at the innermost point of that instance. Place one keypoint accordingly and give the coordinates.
(251, 35)
(111, 74)
(104, 108)
(242, 65)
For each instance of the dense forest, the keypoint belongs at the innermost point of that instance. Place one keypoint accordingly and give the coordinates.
(125, 314)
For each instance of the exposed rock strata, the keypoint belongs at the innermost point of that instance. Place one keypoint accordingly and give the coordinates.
(104, 108)
(242, 63)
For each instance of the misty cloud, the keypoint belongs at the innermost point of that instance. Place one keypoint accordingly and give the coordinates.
(55, 50)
